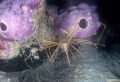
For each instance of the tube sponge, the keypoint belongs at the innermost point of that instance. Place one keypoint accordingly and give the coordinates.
(83, 14)
(15, 21)
(16, 17)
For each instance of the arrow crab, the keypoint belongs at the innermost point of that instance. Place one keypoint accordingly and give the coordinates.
(73, 27)
(66, 44)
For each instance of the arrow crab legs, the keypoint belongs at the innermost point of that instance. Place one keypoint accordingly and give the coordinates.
(65, 44)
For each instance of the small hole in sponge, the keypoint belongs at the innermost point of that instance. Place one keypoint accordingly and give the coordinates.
(3, 26)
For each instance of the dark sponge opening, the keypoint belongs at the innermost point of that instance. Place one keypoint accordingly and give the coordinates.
(3, 26)
(83, 23)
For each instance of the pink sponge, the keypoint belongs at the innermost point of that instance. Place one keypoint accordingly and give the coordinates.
(5, 46)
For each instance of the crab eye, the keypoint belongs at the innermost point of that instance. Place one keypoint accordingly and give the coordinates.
(83, 23)
(3, 26)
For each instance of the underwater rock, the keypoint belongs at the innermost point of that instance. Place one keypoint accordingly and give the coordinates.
(83, 14)
(16, 17)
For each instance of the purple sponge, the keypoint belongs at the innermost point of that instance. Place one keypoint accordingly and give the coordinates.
(15, 21)
(16, 17)
(82, 15)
